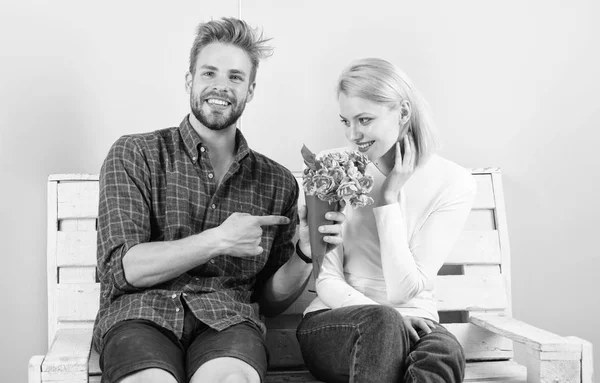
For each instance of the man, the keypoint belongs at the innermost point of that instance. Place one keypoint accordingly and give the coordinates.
(195, 232)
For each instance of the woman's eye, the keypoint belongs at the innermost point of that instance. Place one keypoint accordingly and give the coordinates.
(365, 120)
(345, 122)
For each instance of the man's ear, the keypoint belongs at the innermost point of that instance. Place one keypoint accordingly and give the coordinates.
(405, 112)
(250, 92)
(188, 82)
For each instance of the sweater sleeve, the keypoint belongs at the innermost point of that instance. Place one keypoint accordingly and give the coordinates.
(332, 288)
(411, 265)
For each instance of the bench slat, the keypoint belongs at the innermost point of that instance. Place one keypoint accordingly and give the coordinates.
(534, 337)
(69, 352)
(476, 247)
(470, 292)
(482, 219)
(80, 274)
(485, 192)
(499, 371)
(480, 344)
(78, 199)
(78, 248)
(77, 301)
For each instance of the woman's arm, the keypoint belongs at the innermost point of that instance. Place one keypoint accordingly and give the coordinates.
(408, 269)
(332, 288)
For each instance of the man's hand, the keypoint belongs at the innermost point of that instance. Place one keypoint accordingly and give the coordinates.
(240, 234)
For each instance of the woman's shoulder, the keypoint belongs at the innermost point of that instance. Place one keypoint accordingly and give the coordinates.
(449, 173)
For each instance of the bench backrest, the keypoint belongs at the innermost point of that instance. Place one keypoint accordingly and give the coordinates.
(474, 278)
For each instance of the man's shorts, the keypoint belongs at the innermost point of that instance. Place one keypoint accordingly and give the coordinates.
(134, 345)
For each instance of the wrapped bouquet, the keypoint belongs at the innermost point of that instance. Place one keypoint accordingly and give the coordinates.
(327, 180)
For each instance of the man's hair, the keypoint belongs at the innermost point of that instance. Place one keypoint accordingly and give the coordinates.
(381, 82)
(229, 30)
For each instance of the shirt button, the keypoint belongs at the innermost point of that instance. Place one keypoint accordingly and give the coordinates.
(213, 206)
(177, 309)
(212, 261)
(210, 175)
(194, 159)
(174, 296)
(202, 149)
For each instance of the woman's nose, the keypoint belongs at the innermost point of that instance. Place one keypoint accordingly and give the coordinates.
(353, 133)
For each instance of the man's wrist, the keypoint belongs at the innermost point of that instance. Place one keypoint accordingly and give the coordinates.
(301, 254)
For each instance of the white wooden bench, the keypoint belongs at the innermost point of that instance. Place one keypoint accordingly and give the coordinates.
(473, 293)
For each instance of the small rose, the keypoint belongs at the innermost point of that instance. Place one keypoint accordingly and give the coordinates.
(323, 183)
(340, 157)
(361, 200)
(353, 172)
(329, 162)
(337, 174)
(366, 183)
(347, 189)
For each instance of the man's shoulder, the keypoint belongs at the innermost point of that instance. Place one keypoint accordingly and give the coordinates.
(271, 168)
(148, 138)
(145, 143)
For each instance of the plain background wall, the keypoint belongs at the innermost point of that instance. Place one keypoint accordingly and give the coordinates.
(512, 84)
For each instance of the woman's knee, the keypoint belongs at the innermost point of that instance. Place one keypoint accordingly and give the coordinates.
(443, 344)
(382, 318)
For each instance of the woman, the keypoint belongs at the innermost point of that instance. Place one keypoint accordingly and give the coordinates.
(375, 316)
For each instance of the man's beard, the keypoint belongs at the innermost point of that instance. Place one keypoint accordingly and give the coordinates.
(215, 119)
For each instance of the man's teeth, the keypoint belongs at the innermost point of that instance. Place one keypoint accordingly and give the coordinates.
(217, 102)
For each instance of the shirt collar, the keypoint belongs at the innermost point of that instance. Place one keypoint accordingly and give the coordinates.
(192, 141)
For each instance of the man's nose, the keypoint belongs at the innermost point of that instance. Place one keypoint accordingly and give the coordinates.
(219, 83)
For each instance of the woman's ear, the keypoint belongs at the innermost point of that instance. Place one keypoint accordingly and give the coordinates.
(405, 112)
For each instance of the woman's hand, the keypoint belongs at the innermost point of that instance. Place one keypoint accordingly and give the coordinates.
(403, 169)
(334, 231)
(414, 324)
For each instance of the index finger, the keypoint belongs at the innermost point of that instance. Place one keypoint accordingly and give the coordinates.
(267, 220)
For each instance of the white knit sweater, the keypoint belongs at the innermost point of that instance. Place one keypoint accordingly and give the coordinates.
(391, 254)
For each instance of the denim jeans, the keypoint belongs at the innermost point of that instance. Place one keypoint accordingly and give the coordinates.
(362, 344)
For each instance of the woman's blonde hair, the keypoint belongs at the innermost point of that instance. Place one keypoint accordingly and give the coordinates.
(381, 82)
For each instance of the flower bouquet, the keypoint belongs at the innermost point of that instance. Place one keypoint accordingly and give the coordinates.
(327, 180)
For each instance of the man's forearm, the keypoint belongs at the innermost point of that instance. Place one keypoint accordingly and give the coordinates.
(285, 286)
(151, 263)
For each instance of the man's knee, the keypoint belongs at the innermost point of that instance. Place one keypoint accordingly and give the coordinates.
(150, 375)
(226, 370)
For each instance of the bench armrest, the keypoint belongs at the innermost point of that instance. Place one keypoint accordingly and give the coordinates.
(68, 356)
(550, 357)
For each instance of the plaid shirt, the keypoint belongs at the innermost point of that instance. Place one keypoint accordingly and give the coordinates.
(160, 186)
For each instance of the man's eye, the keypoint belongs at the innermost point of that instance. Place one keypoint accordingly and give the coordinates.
(237, 78)
(208, 74)
(365, 120)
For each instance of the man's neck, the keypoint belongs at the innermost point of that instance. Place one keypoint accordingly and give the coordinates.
(220, 143)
